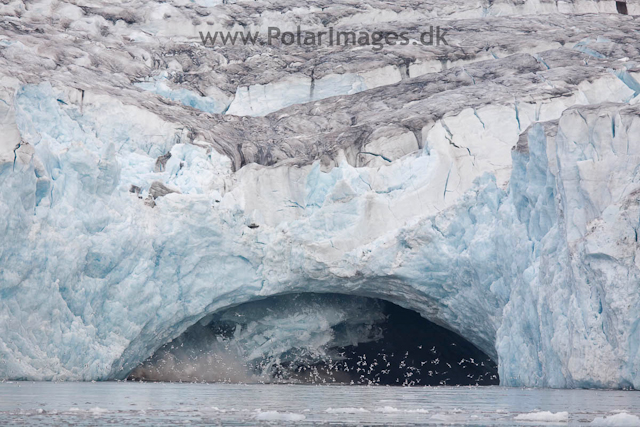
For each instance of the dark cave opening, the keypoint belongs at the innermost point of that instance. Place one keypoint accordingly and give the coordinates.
(320, 339)
(621, 7)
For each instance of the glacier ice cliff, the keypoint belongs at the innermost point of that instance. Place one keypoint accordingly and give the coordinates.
(148, 182)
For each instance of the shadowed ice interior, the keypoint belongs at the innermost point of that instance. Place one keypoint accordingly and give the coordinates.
(319, 339)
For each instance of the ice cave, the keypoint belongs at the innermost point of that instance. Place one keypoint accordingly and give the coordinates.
(319, 339)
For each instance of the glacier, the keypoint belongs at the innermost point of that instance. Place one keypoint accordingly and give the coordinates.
(148, 183)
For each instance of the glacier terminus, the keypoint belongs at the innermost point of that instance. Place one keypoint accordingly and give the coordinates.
(152, 187)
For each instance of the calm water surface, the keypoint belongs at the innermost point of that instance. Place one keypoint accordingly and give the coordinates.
(148, 404)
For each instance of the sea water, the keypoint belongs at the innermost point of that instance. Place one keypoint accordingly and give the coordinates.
(148, 404)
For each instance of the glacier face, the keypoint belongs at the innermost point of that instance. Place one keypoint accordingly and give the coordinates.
(497, 196)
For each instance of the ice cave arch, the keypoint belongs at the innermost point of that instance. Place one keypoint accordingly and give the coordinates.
(319, 339)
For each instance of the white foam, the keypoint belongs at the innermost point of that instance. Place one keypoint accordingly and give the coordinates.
(98, 411)
(388, 410)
